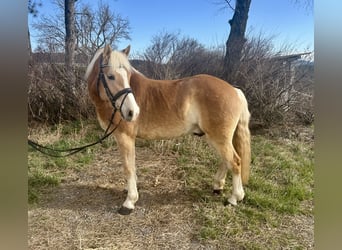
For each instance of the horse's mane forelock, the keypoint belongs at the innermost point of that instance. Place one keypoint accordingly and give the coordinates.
(117, 59)
(92, 62)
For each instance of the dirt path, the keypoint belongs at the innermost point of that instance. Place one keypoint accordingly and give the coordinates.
(81, 213)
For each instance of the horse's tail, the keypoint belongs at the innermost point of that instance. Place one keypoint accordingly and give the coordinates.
(242, 139)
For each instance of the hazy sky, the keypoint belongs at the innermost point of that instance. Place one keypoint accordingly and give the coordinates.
(204, 21)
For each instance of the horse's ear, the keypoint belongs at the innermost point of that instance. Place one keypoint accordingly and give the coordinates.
(106, 53)
(126, 51)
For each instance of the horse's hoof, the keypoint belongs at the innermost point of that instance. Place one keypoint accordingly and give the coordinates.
(125, 211)
(232, 200)
(217, 191)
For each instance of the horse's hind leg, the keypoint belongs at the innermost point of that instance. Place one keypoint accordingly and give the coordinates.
(232, 162)
(238, 193)
(126, 146)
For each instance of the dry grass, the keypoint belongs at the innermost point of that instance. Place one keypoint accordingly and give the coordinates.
(81, 213)
(176, 209)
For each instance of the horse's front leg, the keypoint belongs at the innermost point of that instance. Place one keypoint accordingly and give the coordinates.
(126, 146)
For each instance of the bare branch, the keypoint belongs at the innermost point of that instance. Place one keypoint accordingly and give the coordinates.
(224, 5)
(228, 2)
(306, 4)
(94, 28)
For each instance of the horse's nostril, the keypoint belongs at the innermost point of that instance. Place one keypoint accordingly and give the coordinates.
(130, 114)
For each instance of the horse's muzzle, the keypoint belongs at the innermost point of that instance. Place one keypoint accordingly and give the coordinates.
(130, 112)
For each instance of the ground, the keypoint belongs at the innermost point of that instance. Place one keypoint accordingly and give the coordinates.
(176, 208)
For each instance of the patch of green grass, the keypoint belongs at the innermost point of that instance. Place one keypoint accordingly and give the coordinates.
(38, 181)
(281, 183)
(45, 171)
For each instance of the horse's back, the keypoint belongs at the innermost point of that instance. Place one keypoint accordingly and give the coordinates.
(215, 92)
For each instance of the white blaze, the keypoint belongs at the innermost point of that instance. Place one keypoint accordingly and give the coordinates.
(129, 103)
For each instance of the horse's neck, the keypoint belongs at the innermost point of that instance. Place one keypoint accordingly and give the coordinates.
(140, 84)
(137, 77)
(139, 81)
(149, 89)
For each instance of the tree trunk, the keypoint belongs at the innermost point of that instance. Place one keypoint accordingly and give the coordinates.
(70, 40)
(236, 39)
(29, 48)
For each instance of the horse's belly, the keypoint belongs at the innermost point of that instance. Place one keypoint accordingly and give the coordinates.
(168, 125)
(161, 132)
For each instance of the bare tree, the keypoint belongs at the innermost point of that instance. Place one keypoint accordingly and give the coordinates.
(51, 32)
(98, 27)
(157, 55)
(236, 39)
(93, 28)
(70, 38)
(32, 10)
(170, 56)
(191, 58)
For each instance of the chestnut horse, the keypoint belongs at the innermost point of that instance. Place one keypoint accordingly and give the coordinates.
(161, 109)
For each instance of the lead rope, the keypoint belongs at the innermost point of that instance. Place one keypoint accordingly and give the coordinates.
(70, 151)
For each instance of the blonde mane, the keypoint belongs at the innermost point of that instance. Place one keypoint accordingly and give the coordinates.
(92, 62)
(117, 60)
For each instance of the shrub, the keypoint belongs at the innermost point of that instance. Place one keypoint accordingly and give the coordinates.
(279, 87)
(276, 92)
(52, 99)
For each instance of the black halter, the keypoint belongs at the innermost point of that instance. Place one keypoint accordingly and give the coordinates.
(112, 98)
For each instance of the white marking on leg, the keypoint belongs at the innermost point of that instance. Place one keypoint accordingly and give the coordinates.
(132, 195)
(238, 193)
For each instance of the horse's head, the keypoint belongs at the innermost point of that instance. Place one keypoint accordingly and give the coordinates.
(112, 82)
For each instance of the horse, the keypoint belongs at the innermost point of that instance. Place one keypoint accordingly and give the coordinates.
(201, 105)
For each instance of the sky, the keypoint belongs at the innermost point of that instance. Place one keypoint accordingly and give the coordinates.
(203, 20)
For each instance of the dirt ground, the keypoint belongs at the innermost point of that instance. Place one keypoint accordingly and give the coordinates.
(81, 213)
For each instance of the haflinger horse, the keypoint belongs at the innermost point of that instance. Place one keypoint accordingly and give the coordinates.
(202, 105)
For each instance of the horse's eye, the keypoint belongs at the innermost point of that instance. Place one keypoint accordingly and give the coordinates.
(111, 77)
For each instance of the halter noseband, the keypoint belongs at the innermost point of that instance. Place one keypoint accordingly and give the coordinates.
(112, 98)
